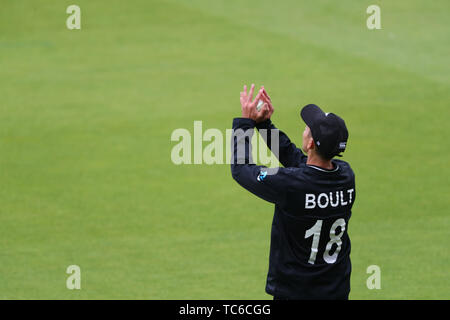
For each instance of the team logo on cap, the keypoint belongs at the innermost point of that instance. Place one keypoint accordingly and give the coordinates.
(342, 145)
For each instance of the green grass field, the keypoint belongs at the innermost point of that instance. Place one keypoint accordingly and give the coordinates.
(86, 118)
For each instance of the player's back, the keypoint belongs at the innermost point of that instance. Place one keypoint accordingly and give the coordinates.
(310, 247)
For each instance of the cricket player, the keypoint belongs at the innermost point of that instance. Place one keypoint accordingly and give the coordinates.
(313, 196)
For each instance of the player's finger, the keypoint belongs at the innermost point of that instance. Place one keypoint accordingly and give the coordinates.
(244, 93)
(266, 94)
(269, 102)
(265, 99)
(252, 89)
(258, 96)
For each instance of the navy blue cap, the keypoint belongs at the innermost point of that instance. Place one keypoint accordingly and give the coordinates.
(328, 130)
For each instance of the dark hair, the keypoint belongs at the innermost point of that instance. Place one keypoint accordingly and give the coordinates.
(324, 157)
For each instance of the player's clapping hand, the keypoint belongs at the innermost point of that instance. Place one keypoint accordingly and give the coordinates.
(248, 105)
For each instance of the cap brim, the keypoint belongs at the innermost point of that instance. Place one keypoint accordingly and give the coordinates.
(311, 112)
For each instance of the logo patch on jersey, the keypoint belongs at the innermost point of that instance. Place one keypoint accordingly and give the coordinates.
(262, 175)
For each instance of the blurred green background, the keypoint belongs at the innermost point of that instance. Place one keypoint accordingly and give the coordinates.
(86, 118)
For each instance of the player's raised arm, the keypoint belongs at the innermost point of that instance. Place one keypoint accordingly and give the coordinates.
(288, 154)
(256, 179)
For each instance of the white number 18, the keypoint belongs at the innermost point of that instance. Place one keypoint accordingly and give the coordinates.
(334, 238)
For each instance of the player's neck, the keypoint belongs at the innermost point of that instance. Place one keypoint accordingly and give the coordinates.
(315, 160)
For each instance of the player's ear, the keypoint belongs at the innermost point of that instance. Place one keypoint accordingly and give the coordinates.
(311, 144)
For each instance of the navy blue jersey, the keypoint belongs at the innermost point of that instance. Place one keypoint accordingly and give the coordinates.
(310, 247)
